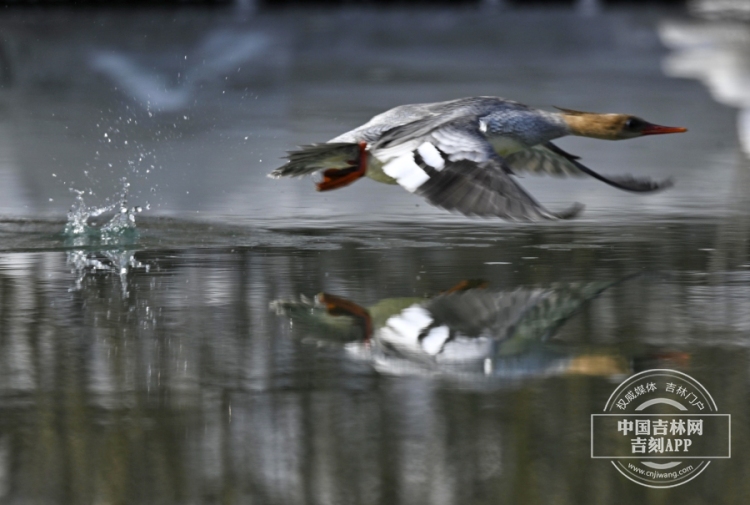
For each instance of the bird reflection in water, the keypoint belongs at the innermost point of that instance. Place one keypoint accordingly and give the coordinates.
(467, 331)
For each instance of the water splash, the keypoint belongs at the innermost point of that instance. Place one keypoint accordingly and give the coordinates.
(86, 233)
(82, 218)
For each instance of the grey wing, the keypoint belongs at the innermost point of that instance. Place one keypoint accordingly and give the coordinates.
(454, 167)
(337, 152)
(375, 127)
(523, 315)
(484, 189)
(481, 312)
(556, 305)
(467, 316)
(449, 133)
(551, 160)
(414, 120)
(540, 160)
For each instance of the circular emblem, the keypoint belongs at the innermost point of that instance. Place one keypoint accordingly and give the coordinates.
(660, 429)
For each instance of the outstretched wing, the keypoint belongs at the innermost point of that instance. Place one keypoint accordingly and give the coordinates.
(551, 160)
(482, 189)
(541, 160)
(454, 167)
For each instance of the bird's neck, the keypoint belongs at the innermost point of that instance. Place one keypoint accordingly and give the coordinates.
(528, 128)
(598, 126)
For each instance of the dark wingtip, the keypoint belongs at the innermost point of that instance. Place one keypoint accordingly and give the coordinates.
(666, 183)
(642, 185)
(628, 182)
(572, 212)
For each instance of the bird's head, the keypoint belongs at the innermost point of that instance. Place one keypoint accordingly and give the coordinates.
(612, 126)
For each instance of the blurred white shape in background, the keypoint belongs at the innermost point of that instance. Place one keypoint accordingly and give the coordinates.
(220, 52)
(717, 53)
(720, 9)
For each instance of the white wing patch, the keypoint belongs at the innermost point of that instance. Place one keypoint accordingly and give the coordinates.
(406, 172)
(404, 329)
(431, 156)
(410, 322)
(434, 341)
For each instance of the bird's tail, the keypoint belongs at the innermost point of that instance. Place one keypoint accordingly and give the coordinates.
(315, 157)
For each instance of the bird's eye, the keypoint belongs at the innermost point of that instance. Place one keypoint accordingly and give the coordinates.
(634, 124)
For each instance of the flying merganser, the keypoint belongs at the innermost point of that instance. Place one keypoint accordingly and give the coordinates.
(460, 154)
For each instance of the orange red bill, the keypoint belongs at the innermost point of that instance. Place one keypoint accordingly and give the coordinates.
(655, 129)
